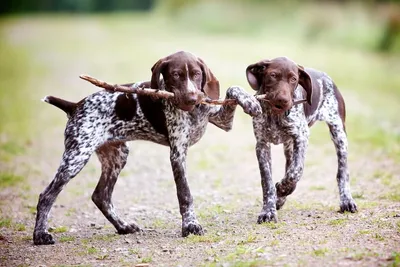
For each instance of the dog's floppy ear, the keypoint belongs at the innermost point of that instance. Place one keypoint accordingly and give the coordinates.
(255, 73)
(306, 83)
(209, 83)
(156, 70)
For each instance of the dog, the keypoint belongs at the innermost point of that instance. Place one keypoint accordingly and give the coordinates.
(282, 122)
(104, 121)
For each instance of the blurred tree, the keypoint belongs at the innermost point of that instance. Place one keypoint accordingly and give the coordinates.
(14, 6)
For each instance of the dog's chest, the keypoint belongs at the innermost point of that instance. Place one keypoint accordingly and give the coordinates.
(280, 129)
(276, 130)
(189, 126)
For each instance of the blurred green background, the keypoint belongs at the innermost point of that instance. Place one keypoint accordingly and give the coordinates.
(45, 45)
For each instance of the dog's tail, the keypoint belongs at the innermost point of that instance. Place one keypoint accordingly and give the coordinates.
(66, 106)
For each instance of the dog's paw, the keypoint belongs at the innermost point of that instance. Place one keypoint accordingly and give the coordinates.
(267, 216)
(348, 205)
(251, 106)
(248, 102)
(280, 201)
(192, 227)
(43, 238)
(129, 229)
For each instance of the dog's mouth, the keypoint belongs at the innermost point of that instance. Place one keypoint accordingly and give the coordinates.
(186, 107)
(187, 102)
(279, 109)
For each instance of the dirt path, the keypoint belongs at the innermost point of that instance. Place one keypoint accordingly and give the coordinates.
(225, 182)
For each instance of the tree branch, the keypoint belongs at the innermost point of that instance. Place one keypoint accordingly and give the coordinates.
(163, 94)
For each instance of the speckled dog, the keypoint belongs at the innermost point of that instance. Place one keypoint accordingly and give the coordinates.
(282, 122)
(103, 122)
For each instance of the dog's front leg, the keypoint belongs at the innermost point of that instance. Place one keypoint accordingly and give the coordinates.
(263, 150)
(268, 212)
(294, 168)
(222, 116)
(179, 147)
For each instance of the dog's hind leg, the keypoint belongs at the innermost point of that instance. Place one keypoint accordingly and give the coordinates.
(339, 138)
(295, 155)
(113, 157)
(75, 157)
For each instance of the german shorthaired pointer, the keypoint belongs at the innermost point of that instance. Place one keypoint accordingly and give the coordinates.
(103, 122)
(285, 82)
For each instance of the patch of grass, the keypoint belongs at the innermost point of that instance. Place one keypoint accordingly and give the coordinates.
(66, 238)
(250, 239)
(320, 252)
(274, 243)
(209, 238)
(159, 224)
(102, 257)
(133, 251)
(364, 232)
(358, 195)
(279, 231)
(146, 259)
(9, 149)
(358, 256)
(70, 212)
(9, 179)
(27, 238)
(393, 196)
(305, 205)
(272, 225)
(396, 259)
(6, 223)
(19, 227)
(317, 188)
(378, 237)
(106, 237)
(367, 204)
(31, 209)
(60, 229)
(337, 222)
(91, 250)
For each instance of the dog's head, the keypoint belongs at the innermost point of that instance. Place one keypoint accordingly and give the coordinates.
(187, 76)
(278, 78)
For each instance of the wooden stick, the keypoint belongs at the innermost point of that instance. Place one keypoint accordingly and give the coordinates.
(164, 94)
(126, 89)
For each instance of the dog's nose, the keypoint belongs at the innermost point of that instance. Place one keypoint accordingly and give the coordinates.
(192, 100)
(281, 103)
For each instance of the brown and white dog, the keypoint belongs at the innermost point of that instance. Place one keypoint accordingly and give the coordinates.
(285, 83)
(103, 122)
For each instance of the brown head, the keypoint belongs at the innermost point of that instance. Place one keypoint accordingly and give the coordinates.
(187, 76)
(277, 79)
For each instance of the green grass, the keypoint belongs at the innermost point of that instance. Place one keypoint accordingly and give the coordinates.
(91, 250)
(320, 252)
(337, 222)
(66, 238)
(20, 227)
(15, 123)
(5, 222)
(108, 47)
(208, 238)
(9, 179)
(146, 259)
(60, 229)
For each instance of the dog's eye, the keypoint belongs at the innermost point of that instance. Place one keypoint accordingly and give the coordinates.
(272, 75)
(293, 79)
(175, 75)
(196, 75)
